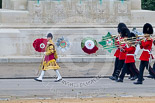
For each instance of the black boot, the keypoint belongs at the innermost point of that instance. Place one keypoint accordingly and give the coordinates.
(119, 80)
(138, 82)
(130, 77)
(113, 78)
(134, 78)
(150, 76)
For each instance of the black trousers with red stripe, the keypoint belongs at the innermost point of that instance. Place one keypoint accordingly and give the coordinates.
(119, 68)
(129, 67)
(115, 66)
(152, 70)
(143, 64)
(134, 70)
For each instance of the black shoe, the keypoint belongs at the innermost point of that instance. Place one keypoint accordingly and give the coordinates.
(134, 78)
(119, 80)
(138, 82)
(58, 80)
(113, 78)
(150, 76)
(37, 80)
(130, 77)
(116, 79)
(143, 79)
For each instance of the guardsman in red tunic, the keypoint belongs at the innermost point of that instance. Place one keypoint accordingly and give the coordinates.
(129, 60)
(124, 34)
(146, 45)
(117, 40)
(152, 69)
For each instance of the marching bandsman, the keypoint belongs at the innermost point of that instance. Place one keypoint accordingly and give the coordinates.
(152, 69)
(129, 64)
(122, 55)
(146, 45)
(50, 60)
(120, 26)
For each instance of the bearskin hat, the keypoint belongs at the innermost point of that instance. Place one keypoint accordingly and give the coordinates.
(120, 26)
(131, 35)
(125, 32)
(147, 29)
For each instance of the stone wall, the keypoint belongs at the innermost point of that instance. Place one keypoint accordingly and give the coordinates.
(14, 4)
(71, 12)
(64, 12)
(23, 21)
(22, 4)
(136, 4)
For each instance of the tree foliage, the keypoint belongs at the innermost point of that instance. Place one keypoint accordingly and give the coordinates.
(148, 4)
(0, 3)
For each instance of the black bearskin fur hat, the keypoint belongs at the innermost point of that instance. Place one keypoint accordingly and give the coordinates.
(120, 26)
(147, 29)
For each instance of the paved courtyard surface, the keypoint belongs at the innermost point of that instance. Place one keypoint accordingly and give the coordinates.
(90, 81)
(74, 88)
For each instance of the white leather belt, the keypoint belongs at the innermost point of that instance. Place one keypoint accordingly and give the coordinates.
(130, 54)
(147, 50)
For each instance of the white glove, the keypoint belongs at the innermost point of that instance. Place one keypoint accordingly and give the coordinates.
(58, 60)
(137, 49)
(44, 53)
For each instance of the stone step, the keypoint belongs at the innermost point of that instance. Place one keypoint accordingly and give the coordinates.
(68, 58)
(67, 70)
(62, 59)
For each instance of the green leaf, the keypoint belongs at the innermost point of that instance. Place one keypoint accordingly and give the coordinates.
(104, 42)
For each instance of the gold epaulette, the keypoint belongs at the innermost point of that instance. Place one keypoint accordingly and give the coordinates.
(142, 39)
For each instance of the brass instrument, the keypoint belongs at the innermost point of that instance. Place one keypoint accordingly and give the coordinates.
(132, 40)
(115, 36)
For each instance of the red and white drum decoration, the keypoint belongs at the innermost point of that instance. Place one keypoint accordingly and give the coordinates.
(89, 45)
(40, 44)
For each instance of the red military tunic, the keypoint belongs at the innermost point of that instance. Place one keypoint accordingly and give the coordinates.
(117, 53)
(122, 54)
(118, 50)
(147, 46)
(130, 54)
